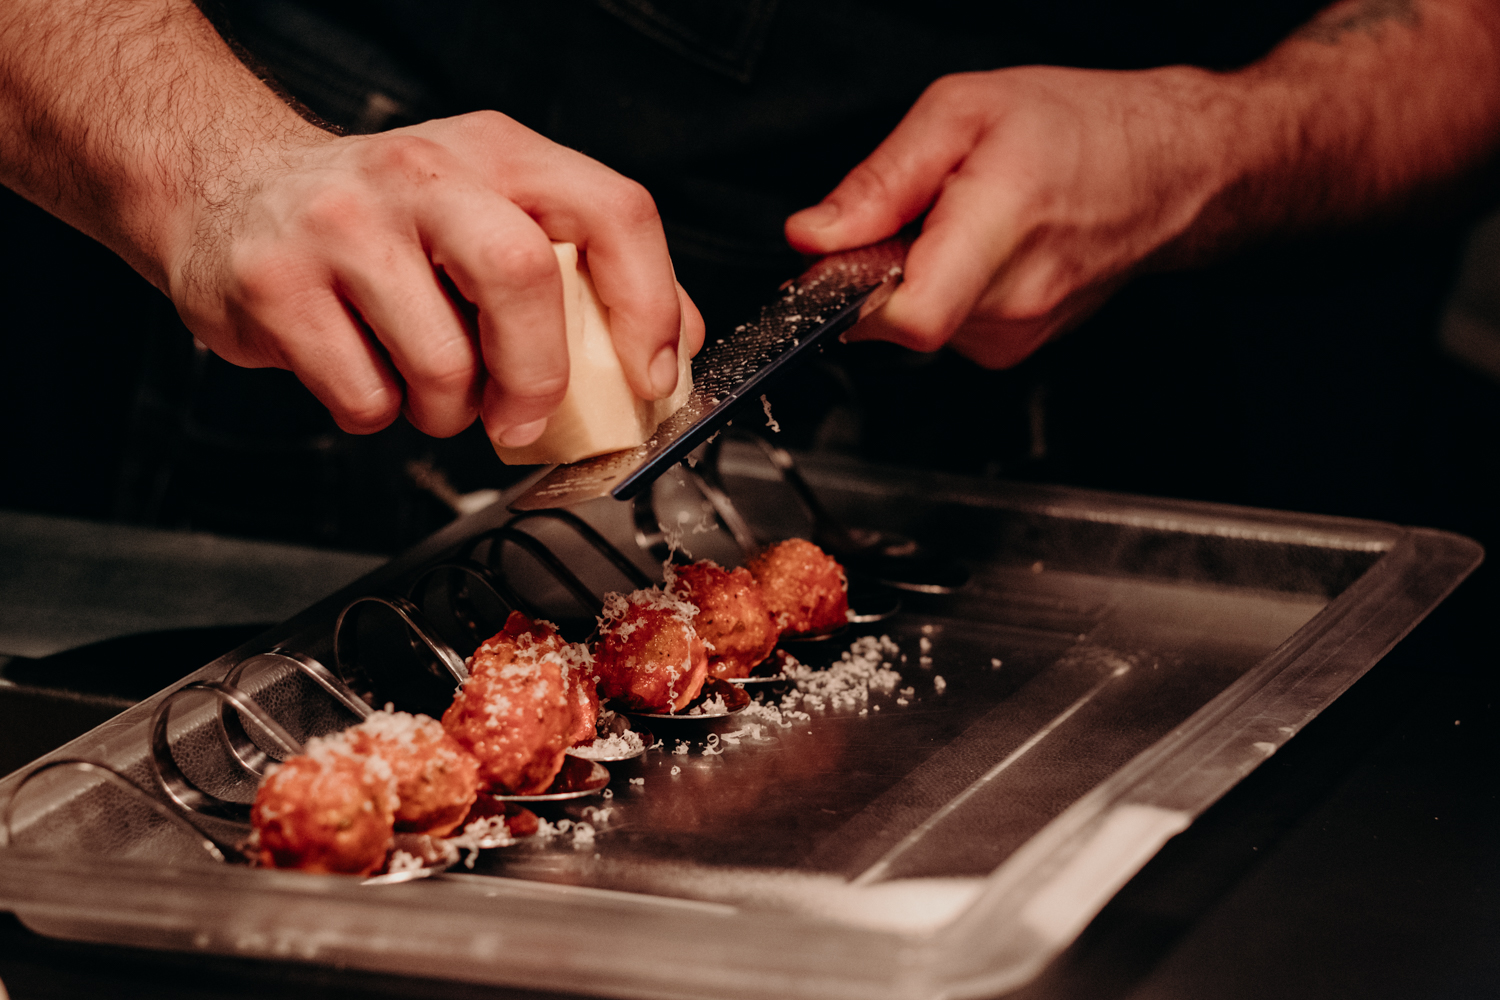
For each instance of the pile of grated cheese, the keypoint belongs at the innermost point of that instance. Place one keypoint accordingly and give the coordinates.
(710, 706)
(611, 747)
(864, 667)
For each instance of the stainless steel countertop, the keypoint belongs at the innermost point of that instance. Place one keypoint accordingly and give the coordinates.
(66, 582)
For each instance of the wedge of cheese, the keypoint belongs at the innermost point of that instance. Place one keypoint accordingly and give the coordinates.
(600, 413)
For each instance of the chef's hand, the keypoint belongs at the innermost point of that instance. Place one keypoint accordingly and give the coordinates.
(414, 269)
(1046, 188)
(1043, 187)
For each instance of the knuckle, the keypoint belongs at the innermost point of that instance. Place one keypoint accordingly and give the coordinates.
(542, 388)
(487, 118)
(412, 155)
(959, 97)
(535, 393)
(365, 413)
(445, 373)
(868, 182)
(629, 202)
(658, 321)
(1025, 310)
(923, 333)
(259, 280)
(519, 263)
(955, 88)
(1031, 299)
(332, 210)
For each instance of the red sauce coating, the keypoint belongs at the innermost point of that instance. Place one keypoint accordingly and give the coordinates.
(436, 779)
(732, 620)
(804, 587)
(583, 689)
(577, 668)
(326, 811)
(514, 714)
(648, 655)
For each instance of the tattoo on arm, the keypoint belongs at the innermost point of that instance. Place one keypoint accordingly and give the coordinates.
(1368, 16)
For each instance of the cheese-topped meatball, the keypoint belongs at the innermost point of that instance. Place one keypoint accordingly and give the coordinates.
(648, 655)
(436, 779)
(514, 713)
(328, 810)
(804, 587)
(732, 618)
(577, 665)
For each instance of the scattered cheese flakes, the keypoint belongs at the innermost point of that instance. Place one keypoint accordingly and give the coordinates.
(482, 834)
(939, 685)
(765, 404)
(596, 815)
(403, 862)
(676, 769)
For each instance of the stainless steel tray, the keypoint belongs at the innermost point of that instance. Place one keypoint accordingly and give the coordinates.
(1115, 665)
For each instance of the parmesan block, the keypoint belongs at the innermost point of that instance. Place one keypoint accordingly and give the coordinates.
(600, 413)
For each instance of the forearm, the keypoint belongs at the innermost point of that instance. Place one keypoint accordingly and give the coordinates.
(1367, 112)
(127, 118)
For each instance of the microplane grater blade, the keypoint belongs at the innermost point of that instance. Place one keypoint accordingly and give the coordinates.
(825, 301)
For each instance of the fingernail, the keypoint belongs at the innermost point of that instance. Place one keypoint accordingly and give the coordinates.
(663, 371)
(521, 434)
(820, 216)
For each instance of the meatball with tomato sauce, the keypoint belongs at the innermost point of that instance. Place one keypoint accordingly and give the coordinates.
(803, 586)
(514, 713)
(732, 618)
(328, 810)
(577, 665)
(436, 779)
(648, 655)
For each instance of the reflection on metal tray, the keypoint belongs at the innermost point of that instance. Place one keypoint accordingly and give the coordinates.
(1112, 667)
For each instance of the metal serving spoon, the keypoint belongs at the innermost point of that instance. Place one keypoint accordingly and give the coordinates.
(578, 779)
(612, 724)
(734, 697)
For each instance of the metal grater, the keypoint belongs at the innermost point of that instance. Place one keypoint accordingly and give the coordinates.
(829, 298)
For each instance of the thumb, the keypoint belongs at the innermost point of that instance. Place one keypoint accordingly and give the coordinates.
(894, 185)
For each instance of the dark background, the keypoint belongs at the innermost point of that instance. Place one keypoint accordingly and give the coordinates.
(1357, 374)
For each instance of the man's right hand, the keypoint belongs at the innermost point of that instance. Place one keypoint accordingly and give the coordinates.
(410, 270)
(353, 261)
